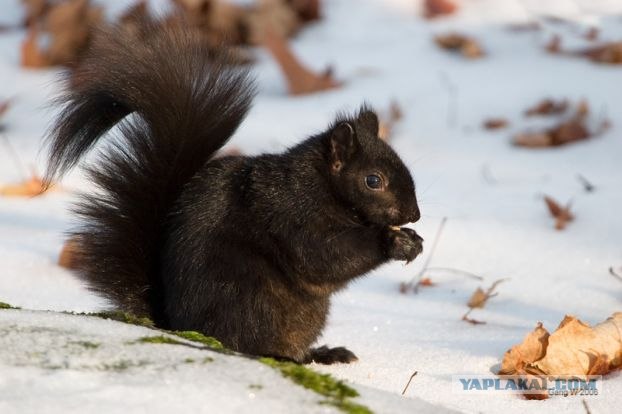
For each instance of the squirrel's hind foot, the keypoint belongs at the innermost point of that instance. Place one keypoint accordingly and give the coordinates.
(327, 356)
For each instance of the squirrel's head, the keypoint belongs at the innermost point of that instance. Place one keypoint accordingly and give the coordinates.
(367, 174)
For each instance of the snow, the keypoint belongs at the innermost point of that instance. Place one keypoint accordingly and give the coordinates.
(66, 364)
(500, 229)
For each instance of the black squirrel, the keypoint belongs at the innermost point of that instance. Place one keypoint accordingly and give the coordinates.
(245, 249)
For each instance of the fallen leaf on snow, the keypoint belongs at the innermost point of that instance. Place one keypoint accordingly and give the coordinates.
(495, 123)
(592, 34)
(478, 299)
(436, 8)
(562, 215)
(32, 56)
(548, 107)
(35, 10)
(571, 129)
(554, 45)
(388, 120)
(4, 106)
(426, 281)
(608, 53)
(574, 349)
(465, 45)
(307, 10)
(31, 187)
(67, 257)
(67, 27)
(300, 80)
(529, 351)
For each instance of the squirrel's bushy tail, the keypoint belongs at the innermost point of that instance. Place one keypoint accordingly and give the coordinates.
(187, 103)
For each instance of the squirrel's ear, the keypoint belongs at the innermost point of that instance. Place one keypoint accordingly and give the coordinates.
(342, 145)
(369, 121)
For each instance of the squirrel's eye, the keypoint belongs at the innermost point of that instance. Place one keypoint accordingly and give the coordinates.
(373, 181)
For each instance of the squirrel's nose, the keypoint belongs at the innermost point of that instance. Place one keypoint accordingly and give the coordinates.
(415, 215)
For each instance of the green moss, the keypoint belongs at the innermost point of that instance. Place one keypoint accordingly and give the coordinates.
(256, 387)
(336, 392)
(122, 317)
(122, 365)
(159, 339)
(7, 306)
(207, 360)
(194, 336)
(189, 361)
(86, 344)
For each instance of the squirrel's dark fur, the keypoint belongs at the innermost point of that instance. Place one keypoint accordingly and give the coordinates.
(245, 249)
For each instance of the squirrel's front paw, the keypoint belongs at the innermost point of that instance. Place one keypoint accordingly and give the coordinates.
(404, 244)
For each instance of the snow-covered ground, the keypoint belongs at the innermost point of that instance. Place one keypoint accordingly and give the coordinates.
(60, 363)
(496, 228)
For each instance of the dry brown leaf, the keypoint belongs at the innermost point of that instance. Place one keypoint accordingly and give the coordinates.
(70, 24)
(592, 34)
(495, 123)
(436, 8)
(426, 282)
(478, 299)
(575, 348)
(31, 187)
(307, 10)
(67, 26)
(35, 10)
(31, 54)
(4, 107)
(530, 350)
(224, 22)
(300, 80)
(465, 45)
(275, 16)
(554, 45)
(548, 107)
(569, 130)
(533, 139)
(136, 19)
(67, 257)
(608, 53)
(388, 120)
(605, 53)
(217, 21)
(537, 395)
(562, 215)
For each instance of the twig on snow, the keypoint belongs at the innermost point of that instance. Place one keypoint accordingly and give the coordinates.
(408, 383)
